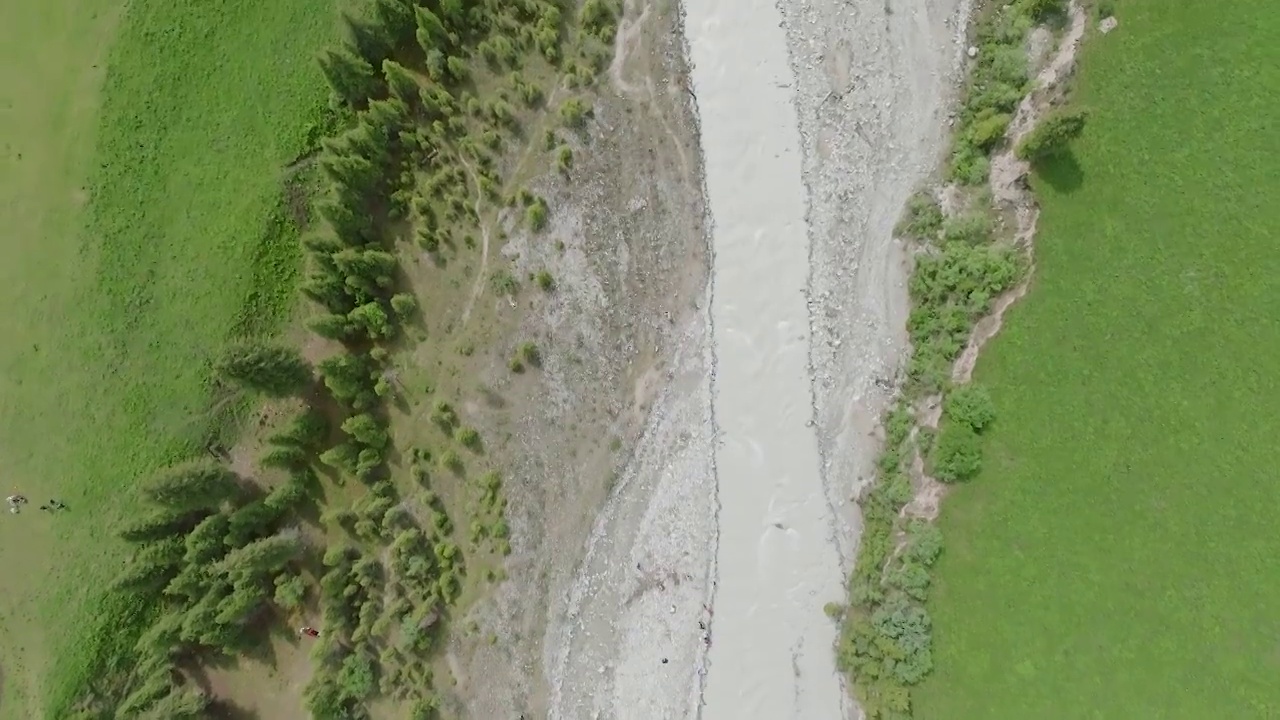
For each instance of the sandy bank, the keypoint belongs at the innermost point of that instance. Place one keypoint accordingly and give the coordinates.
(817, 121)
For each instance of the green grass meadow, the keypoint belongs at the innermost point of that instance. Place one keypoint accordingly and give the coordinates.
(141, 154)
(1117, 557)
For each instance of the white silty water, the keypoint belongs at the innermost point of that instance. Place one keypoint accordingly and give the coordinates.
(776, 566)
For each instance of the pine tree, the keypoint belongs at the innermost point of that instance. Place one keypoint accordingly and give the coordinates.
(431, 34)
(179, 704)
(349, 226)
(350, 378)
(399, 81)
(352, 78)
(331, 326)
(152, 567)
(366, 430)
(158, 525)
(274, 370)
(251, 522)
(330, 292)
(262, 557)
(396, 17)
(195, 485)
(204, 543)
(375, 266)
(350, 171)
(241, 603)
(373, 320)
(368, 40)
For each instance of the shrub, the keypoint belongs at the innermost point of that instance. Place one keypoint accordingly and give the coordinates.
(545, 282)
(1052, 135)
(504, 283)
(270, 369)
(922, 219)
(528, 353)
(535, 215)
(467, 437)
(988, 131)
(958, 454)
(970, 405)
(404, 306)
(564, 158)
(598, 19)
(969, 166)
(574, 113)
(443, 415)
(1041, 10)
(924, 543)
(450, 461)
(973, 229)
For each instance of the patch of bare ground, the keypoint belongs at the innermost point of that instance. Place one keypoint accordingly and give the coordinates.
(625, 246)
(1011, 197)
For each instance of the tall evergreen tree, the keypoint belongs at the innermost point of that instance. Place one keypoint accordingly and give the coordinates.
(273, 370)
(368, 39)
(399, 81)
(352, 78)
(331, 326)
(431, 34)
(262, 557)
(397, 21)
(194, 485)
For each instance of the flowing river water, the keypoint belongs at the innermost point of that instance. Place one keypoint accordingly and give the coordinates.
(776, 564)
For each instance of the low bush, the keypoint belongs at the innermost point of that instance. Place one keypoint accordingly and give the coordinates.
(958, 453)
(1052, 135)
(970, 405)
(922, 219)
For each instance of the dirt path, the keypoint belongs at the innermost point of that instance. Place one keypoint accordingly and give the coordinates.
(483, 270)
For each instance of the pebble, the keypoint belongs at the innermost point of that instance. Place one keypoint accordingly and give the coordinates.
(973, 51)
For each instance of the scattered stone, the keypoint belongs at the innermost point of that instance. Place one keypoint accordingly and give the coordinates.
(973, 51)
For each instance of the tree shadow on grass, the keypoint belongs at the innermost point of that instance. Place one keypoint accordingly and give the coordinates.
(1062, 172)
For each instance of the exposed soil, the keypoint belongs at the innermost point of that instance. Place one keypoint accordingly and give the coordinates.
(629, 279)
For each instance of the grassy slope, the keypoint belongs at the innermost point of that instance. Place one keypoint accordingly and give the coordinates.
(116, 296)
(1116, 558)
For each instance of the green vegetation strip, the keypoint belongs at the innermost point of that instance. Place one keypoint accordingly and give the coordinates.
(1117, 558)
(224, 558)
(886, 643)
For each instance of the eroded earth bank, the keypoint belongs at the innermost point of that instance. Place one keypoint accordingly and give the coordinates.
(732, 332)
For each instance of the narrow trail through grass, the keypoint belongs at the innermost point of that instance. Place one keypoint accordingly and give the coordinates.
(139, 175)
(1115, 557)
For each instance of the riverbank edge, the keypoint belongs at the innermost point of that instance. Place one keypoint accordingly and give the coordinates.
(885, 638)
